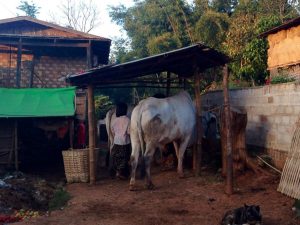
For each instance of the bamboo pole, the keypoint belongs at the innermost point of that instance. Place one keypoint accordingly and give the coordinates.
(16, 146)
(168, 84)
(229, 167)
(89, 55)
(32, 71)
(19, 60)
(91, 120)
(197, 150)
(71, 133)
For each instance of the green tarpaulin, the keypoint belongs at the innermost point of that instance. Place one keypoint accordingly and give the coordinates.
(37, 102)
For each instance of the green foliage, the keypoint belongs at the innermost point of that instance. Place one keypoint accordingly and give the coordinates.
(224, 6)
(248, 50)
(267, 22)
(162, 43)
(282, 9)
(102, 105)
(59, 200)
(121, 51)
(281, 79)
(254, 57)
(235, 83)
(211, 28)
(155, 26)
(116, 94)
(30, 9)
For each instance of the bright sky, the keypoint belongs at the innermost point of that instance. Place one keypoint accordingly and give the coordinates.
(105, 29)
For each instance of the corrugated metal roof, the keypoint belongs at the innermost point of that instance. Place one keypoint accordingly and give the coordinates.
(181, 61)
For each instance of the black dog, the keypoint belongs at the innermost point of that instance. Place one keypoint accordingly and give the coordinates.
(249, 215)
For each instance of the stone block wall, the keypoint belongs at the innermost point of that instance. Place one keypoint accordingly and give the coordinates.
(272, 112)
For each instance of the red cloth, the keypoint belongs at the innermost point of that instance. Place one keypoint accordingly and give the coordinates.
(61, 131)
(81, 134)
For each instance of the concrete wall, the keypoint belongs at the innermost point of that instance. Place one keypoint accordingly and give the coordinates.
(272, 112)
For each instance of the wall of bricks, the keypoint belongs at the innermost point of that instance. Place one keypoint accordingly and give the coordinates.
(51, 70)
(48, 71)
(272, 112)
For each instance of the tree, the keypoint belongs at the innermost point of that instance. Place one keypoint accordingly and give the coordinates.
(120, 50)
(211, 28)
(255, 54)
(232, 26)
(282, 9)
(249, 53)
(82, 15)
(30, 9)
(155, 26)
(224, 6)
(102, 105)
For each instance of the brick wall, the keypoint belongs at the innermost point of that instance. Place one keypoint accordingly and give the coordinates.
(48, 70)
(51, 69)
(272, 112)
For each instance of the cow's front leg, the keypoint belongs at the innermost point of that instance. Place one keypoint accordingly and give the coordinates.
(148, 158)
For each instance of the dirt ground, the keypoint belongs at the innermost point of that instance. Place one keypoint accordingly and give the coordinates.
(188, 201)
(23, 191)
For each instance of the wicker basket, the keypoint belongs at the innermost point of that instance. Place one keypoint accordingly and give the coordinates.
(76, 165)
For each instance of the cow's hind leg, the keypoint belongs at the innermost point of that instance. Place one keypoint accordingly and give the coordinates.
(179, 159)
(150, 149)
(134, 162)
(182, 147)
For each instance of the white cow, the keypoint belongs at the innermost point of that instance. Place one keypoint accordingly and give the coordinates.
(156, 122)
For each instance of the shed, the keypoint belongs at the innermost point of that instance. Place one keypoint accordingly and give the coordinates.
(187, 62)
(284, 49)
(32, 107)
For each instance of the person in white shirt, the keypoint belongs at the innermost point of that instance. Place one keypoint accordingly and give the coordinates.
(121, 150)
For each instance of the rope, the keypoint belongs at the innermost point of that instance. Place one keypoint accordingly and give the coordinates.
(272, 167)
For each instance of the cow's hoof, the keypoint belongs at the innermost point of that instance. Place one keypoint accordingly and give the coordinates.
(150, 186)
(132, 187)
(181, 175)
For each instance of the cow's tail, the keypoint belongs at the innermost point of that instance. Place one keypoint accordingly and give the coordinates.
(142, 144)
(108, 127)
(140, 133)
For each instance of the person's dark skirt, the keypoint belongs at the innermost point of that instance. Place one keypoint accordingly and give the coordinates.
(120, 159)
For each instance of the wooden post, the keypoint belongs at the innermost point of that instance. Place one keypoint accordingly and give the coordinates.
(71, 133)
(89, 54)
(168, 84)
(91, 119)
(229, 172)
(197, 150)
(32, 71)
(16, 146)
(19, 60)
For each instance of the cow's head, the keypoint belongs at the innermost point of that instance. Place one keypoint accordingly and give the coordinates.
(252, 214)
